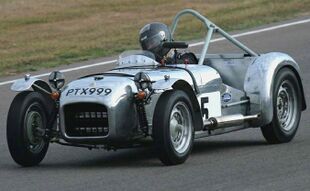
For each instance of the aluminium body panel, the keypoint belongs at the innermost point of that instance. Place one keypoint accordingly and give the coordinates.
(259, 80)
(120, 101)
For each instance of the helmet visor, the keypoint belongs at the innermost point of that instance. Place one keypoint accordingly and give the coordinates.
(152, 42)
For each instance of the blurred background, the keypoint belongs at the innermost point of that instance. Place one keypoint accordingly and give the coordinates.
(37, 34)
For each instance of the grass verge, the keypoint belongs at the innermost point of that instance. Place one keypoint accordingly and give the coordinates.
(36, 34)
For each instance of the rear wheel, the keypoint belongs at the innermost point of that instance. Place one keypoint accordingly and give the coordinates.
(286, 108)
(173, 128)
(26, 125)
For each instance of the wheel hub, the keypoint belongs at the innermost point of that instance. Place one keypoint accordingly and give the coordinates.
(34, 133)
(285, 105)
(180, 127)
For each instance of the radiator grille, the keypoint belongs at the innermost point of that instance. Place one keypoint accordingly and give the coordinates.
(86, 119)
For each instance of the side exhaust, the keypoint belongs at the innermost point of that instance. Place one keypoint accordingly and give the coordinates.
(227, 121)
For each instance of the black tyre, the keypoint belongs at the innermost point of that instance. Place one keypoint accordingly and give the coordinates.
(26, 123)
(173, 127)
(287, 102)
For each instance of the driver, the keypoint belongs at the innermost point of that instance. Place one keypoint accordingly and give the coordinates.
(152, 37)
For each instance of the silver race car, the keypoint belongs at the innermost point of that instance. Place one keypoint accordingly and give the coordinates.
(163, 95)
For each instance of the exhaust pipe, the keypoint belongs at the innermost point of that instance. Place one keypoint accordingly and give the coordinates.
(227, 121)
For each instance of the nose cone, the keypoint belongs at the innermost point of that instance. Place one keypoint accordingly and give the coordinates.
(85, 96)
(106, 90)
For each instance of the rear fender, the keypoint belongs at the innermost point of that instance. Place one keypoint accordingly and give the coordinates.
(259, 80)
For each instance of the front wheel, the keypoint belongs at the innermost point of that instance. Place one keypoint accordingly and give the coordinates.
(286, 108)
(26, 125)
(173, 128)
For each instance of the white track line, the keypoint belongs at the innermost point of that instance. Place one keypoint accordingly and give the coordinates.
(191, 45)
(255, 31)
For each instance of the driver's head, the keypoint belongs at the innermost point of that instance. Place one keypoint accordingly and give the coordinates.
(152, 37)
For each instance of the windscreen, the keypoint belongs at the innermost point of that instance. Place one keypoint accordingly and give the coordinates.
(137, 52)
(137, 58)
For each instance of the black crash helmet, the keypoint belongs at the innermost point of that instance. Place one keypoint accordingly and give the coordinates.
(152, 37)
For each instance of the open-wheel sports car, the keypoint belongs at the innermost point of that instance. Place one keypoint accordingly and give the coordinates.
(162, 95)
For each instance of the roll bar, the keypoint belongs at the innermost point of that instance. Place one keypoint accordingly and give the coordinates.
(211, 28)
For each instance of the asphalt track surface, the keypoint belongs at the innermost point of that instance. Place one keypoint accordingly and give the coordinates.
(236, 161)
